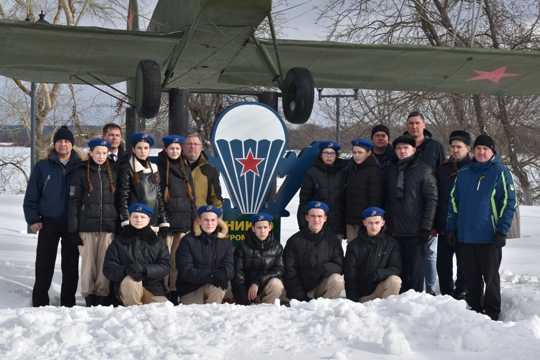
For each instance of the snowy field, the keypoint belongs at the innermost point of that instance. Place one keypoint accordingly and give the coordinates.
(412, 325)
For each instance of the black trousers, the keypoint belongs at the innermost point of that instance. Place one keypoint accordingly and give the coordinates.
(47, 248)
(482, 263)
(412, 262)
(445, 268)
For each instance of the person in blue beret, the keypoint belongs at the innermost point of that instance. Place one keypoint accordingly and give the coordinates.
(372, 261)
(92, 218)
(258, 264)
(363, 186)
(138, 260)
(204, 259)
(176, 182)
(138, 182)
(325, 181)
(313, 258)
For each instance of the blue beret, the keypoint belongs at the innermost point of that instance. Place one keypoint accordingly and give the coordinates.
(372, 211)
(141, 136)
(141, 208)
(209, 208)
(99, 142)
(366, 144)
(170, 139)
(329, 145)
(317, 205)
(261, 217)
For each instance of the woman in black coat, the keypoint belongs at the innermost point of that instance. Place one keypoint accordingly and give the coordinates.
(363, 185)
(92, 219)
(179, 198)
(138, 182)
(325, 181)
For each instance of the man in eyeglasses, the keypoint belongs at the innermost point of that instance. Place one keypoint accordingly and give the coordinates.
(324, 182)
(205, 176)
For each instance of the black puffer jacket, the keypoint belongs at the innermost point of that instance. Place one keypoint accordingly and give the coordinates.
(255, 262)
(198, 256)
(324, 183)
(446, 174)
(307, 253)
(364, 189)
(417, 209)
(144, 247)
(365, 255)
(146, 192)
(181, 211)
(92, 211)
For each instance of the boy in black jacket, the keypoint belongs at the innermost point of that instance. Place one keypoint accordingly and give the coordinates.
(138, 260)
(372, 261)
(258, 264)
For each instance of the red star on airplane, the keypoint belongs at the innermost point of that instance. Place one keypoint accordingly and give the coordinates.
(493, 76)
(250, 163)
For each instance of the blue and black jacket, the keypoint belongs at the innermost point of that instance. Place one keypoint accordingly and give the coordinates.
(482, 202)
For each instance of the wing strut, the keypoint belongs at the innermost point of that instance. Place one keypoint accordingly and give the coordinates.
(103, 91)
(179, 49)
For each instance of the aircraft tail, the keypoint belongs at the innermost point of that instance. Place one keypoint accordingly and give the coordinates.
(133, 15)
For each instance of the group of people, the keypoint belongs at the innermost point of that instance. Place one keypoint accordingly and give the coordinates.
(116, 210)
(154, 232)
(434, 208)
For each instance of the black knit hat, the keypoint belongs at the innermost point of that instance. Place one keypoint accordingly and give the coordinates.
(461, 135)
(64, 134)
(405, 139)
(485, 141)
(378, 128)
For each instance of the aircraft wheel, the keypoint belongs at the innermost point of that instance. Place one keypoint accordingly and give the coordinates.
(147, 89)
(298, 95)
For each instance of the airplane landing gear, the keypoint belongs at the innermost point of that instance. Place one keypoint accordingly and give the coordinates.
(147, 89)
(298, 95)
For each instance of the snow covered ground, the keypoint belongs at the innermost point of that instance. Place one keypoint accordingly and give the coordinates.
(412, 325)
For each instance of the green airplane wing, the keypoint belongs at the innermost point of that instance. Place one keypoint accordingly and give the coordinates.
(66, 54)
(396, 67)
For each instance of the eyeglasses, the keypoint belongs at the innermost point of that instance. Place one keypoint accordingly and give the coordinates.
(329, 154)
(192, 144)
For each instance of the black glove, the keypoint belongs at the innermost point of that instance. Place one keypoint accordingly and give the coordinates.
(136, 271)
(370, 279)
(163, 232)
(500, 240)
(76, 239)
(219, 279)
(451, 237)
(423, 236)
(314, 275)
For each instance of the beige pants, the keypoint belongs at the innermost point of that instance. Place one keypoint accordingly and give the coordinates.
(93, 282)
(206, 294)
(352, 232)
(271, 292)
(173, 242)
(329, 288)
(133, 293)
(384, 289)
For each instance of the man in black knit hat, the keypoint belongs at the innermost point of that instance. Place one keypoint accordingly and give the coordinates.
(46, 206)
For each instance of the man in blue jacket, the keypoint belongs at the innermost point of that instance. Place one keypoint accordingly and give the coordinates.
(45, 207)
(480, 211)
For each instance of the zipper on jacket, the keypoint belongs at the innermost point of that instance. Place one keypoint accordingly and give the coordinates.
(46, 182)
(100, 200)
(479, 182)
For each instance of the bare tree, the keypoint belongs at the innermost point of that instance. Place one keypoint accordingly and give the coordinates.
(511, 25)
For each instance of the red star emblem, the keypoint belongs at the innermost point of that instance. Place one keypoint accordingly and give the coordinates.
(493, 76)
(250, 163)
